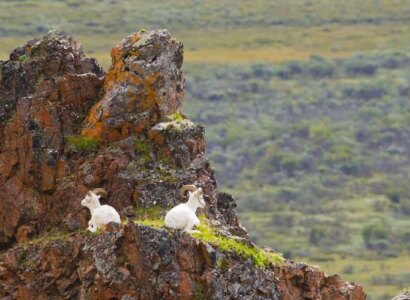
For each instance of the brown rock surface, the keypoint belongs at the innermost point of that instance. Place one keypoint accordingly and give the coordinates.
(129, 137)
(141, 262)
(45, 89)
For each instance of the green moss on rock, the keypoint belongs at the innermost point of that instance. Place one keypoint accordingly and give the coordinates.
(261, 258)
(83, 143)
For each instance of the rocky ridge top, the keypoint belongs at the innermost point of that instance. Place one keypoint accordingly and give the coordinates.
(66, 127)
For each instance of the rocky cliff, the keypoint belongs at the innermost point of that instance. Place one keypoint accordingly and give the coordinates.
(66, 127)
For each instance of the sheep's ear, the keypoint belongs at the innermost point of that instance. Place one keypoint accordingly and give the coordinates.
(189, 193)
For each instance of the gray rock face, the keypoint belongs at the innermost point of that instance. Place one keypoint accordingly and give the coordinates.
(404, 296)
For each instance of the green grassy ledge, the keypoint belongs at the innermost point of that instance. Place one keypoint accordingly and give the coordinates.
(153, 217)
(261, 258)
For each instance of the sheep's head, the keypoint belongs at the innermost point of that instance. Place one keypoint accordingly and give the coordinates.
(93, 197)
(196, 195)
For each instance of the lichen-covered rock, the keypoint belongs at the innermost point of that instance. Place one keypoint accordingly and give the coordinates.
(181, 140)
(65, 129)
(144, 84)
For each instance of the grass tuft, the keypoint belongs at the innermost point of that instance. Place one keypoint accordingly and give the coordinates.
(83, 143)
(156, 223)
(151, 216)
(23, 58)
(176, 117)
(143, 148)
(48, 238)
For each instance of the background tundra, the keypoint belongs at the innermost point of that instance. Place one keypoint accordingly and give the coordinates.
(307, 111)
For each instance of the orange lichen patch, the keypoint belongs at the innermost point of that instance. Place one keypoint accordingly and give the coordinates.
(137, 69)
(116, 53)
(47, 177)
(114, 135)
(140, 127)
(166, 152)
(135, 38)
(151, 78)
(95, 113)
(133, 53)
(185, 286)
(150, 98)
(132, 100)
(44, 117)
(118, 74)
(95, 131)
(61, 169)
(156, 137)
(114, 74)
(125, 130)
(135, 198)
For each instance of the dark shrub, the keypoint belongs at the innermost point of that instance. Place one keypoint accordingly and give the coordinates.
(375, 237)
(262, 71)
(365, 91)
(319, 67)
(282, 220)
(360, 65)
(289, 69)
(394, 61)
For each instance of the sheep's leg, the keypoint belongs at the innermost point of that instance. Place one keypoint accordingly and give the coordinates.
(190, 225)
(92, 226)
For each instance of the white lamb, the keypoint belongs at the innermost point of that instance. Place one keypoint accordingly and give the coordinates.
(101, 215)
(183, 215)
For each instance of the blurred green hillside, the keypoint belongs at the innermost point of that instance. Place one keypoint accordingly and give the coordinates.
(307, 111)
(236, 31)
(317, 154)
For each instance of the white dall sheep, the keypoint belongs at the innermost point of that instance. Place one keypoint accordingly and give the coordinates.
(101, 215)
(183, 215)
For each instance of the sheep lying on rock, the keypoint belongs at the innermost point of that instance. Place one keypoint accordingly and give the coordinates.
(183, 215)
(101, 215)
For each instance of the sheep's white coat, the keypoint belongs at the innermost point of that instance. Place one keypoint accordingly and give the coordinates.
(101, 215)
(183, 215)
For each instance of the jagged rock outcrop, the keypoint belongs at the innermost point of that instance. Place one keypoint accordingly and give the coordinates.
(67, 127)
(143, 85)
(45, 89)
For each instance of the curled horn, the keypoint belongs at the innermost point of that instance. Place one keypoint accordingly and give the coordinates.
(100, 192)
(188, 187)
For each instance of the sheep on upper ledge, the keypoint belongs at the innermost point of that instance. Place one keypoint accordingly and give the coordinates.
(183, 215)
(101, 215)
